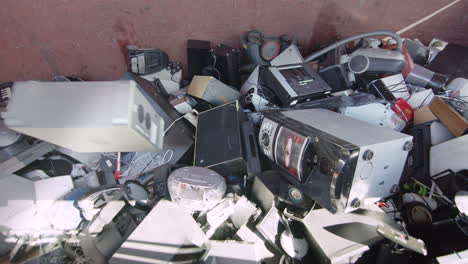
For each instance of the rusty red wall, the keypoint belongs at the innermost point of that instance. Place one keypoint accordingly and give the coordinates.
(43, 38)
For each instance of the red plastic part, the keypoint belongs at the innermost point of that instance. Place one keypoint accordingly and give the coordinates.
(278, 48)
(117, 175)
(403, 109)
(381, 204)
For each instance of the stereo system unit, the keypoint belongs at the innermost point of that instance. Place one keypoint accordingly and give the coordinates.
(337, 161)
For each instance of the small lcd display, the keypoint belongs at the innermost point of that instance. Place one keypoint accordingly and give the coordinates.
(289, 148)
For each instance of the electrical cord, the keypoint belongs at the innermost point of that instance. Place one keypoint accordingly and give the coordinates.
(213, 66)
(248, 97)
(342, 42)
(174, 67)
(169, 127)
(423, 101)
(172, 76)
(390, 88)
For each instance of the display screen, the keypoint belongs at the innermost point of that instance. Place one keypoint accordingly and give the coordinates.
(289, 148)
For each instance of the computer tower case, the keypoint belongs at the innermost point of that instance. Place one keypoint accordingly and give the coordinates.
(180, 137)
(337, 161)
(109, 116)
(226, 143)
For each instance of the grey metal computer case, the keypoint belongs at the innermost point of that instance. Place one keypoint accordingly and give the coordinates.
(87, 116)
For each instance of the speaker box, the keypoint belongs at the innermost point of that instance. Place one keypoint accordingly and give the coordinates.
(226, 143)
(198, 52)
(227, 64)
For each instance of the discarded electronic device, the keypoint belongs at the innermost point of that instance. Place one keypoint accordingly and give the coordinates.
(178, 132)
(290, 55)
(5, 93)
(196, 188)
(144, 61)
(375, 61)
(272, 186)
(106, 232)
(419, 53)
(167, 233)
(343, 238)
(108, 117)
(336, 76)
(198, 52)
(294, 84)
(375, 113)
(223, 64)
(423, 77)
(333, 103)
(328, 156)
(136, 194)
(260, 49)
(226, 142)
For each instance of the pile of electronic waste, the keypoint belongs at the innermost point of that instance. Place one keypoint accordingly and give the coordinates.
(357, 153)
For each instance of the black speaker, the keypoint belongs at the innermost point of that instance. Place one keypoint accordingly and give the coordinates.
(226, 142)
(225, 61)
(336, 77)
(198, 53)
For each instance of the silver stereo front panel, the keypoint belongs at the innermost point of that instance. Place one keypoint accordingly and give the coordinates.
(373, 157)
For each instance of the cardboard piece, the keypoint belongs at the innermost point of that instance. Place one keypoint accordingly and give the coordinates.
(212, 90)
(455, 122)
(423, 115)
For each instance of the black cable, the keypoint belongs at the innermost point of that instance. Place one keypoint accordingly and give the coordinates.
(143, 170)
(428, 206)
(173, 79)
(425, 100)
